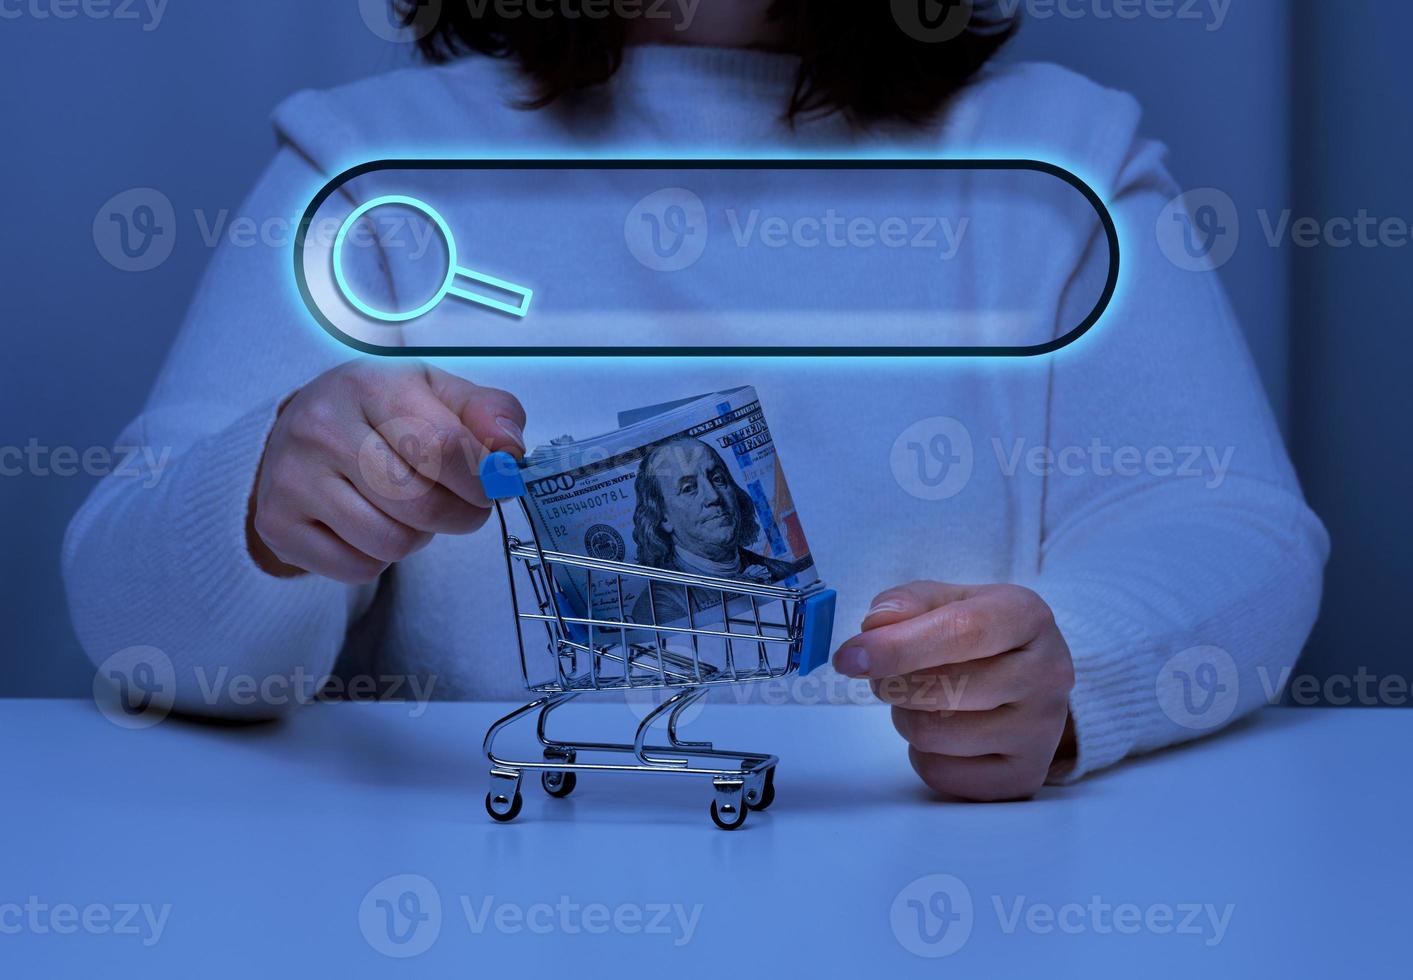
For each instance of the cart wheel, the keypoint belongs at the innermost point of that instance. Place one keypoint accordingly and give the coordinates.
(730, 821)
(502, 810)
(559, 784)
(767, 793)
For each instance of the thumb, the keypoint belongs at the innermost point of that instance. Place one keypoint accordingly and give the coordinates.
(494, 418)
(909, 601)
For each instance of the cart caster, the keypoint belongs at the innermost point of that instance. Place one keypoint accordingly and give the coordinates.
(558, 784)
(767, 793)
(503, 800)
(502, 809)
(729, 806)
(732, 819)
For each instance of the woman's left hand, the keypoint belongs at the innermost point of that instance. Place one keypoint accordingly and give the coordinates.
(979, 678)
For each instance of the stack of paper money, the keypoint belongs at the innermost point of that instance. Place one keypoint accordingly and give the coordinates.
(693, 486)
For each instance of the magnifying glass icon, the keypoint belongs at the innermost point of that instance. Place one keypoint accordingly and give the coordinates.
(451, 284)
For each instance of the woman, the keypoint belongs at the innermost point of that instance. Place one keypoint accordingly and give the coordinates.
(1106, 593)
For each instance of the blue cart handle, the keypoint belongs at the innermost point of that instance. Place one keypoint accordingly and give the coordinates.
(817, 630)
(501, 478)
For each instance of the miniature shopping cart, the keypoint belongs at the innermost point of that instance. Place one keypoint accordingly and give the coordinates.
(579, 632)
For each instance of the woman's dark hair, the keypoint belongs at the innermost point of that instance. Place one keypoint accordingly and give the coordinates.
(871, 60)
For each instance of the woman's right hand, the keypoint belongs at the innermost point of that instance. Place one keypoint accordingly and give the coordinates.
(367, 463)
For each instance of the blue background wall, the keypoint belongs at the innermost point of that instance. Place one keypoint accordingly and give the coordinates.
(1353, 339)
(1280, 106)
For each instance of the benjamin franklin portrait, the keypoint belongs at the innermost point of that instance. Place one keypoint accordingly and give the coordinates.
(691, 516)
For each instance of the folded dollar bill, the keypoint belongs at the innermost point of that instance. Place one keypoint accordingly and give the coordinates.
(693, 486)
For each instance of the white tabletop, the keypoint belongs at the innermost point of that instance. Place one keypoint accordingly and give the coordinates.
(1278, 848)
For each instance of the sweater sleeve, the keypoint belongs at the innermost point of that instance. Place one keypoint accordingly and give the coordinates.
(161, 560)
(1177, 552)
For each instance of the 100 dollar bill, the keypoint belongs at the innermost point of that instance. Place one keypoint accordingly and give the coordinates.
(694, 487)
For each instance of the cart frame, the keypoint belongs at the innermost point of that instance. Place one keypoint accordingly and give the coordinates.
(642, 656)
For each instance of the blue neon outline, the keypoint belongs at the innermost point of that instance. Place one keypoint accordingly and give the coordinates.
(998, 157)
(453, 270)
(525, 293)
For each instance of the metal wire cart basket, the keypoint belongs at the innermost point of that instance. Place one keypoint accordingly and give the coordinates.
(721, 632)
